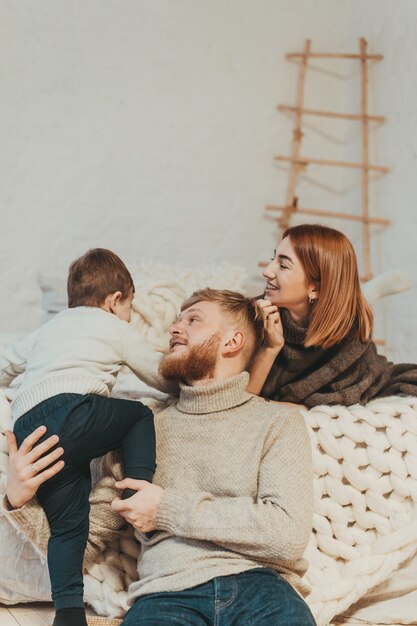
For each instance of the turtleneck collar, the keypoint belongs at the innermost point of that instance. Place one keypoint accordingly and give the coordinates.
(293, 333)
(214, 397)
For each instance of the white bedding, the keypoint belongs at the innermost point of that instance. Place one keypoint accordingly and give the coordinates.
(365, 526)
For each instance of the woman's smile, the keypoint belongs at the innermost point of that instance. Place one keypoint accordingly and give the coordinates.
(270, 287)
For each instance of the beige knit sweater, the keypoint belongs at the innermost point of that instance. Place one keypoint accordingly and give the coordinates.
(105, 524)
(237, 477)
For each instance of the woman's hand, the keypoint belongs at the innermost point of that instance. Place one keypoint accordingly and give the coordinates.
(269, 350)
(274, 334)
(26, 467)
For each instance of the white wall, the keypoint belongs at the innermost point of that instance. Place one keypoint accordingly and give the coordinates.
(150, 127)
(392, 29)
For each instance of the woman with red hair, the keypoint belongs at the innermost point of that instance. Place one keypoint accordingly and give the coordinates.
(318, 326)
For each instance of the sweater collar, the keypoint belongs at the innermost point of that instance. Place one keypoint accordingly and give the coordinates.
(293, 333)
(214, 397)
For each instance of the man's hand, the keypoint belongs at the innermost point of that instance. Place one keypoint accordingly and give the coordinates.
(25, 465)
(140, 509)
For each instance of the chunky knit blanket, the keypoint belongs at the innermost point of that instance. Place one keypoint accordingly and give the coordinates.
(365, 526)
(365, 466)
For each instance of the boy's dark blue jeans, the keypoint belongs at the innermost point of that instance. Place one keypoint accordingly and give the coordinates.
(258, 597)
(88, 426)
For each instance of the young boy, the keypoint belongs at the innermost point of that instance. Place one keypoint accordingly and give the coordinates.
(70, 366)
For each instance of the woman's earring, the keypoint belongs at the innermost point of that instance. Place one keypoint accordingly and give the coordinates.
(311, 301)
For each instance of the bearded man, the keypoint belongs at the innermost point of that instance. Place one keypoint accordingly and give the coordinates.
(224, 525)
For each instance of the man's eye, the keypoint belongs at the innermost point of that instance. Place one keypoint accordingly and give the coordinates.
(274, 255)
(282, 266)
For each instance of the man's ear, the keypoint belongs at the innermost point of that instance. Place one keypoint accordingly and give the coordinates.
(232, 343)
(111, 301)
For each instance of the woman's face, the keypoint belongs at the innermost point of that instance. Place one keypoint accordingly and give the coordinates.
(286, 284)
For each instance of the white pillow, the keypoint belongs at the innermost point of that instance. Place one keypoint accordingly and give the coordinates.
(147, 273)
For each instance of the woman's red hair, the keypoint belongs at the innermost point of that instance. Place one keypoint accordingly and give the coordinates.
(329, 262)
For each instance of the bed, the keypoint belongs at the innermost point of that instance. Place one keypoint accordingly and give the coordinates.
(362, 550)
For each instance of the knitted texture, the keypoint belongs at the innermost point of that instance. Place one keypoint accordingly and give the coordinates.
(348, 373)
(103, 621)
(237, 479)
(365, 508)
(160, 290)
(79, 351)
(365, 467)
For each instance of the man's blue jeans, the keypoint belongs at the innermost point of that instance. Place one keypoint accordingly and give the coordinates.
(258, 597)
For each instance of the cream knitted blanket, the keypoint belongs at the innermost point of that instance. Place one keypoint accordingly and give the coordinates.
(365, 466)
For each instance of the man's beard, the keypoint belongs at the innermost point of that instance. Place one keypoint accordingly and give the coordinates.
(195, 363)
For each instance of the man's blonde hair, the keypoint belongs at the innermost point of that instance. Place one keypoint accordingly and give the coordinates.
(240, 309)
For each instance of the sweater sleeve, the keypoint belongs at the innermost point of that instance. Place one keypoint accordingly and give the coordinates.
(142, 358)
(105, 524)
(272, 525)
(30, 521)
(14, 358)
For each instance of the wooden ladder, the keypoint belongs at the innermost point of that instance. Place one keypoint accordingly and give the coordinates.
(299, 163)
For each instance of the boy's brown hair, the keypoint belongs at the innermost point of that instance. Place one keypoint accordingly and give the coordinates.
(239, 309)
(95, 275)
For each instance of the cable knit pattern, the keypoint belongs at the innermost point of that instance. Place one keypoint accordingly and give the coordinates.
(365, 509)
(365, 485)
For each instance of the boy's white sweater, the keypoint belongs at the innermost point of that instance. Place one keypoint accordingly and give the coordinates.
(81, 350)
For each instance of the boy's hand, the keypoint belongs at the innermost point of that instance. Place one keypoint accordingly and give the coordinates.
(140, 509)
(26, 469)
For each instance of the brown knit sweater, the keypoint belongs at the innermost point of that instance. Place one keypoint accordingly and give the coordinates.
(348, 373)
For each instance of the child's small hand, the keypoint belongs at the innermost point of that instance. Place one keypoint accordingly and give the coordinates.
(140, 509)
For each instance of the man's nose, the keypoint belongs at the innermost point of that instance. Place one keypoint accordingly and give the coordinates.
(175, 329)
